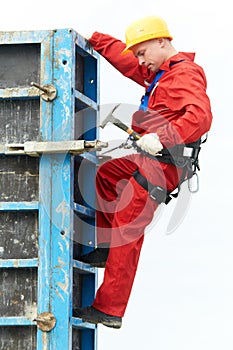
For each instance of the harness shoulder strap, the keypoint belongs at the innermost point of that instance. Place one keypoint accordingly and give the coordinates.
(145, 98)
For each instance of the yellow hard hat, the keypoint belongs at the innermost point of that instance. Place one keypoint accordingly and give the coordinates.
(145, 29)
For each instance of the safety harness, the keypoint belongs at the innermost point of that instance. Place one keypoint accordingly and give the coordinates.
(145, 98)
(183, 156)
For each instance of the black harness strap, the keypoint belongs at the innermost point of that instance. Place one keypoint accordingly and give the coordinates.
(174, 156)
(159, 194)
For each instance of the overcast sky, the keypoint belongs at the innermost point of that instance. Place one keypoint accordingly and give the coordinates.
(182, 298)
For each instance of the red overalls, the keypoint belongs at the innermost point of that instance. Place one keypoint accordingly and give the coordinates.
(179, 112)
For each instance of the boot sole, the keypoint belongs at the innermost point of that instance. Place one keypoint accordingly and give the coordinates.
(115, 325)
(101, 265)
(107, 323)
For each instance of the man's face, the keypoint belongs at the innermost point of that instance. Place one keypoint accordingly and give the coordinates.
(150, 54)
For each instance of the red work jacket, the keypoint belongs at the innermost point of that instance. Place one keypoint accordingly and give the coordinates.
(179, 109)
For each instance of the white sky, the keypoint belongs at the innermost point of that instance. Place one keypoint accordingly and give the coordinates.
(182, 297)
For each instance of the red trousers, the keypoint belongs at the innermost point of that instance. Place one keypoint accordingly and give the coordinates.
(124, 209)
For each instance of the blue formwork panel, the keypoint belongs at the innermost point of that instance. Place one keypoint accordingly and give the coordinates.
(49, 91)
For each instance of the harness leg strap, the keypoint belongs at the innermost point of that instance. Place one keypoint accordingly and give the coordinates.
(157, 193)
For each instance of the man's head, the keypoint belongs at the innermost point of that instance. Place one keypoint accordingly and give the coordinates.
(146, 29)
(150, 41)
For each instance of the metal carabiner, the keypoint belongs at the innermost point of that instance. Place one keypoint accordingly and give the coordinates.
(193, 188)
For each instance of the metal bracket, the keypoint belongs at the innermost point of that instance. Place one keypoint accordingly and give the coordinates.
(34, 148)
(49, 92)
(45, 321)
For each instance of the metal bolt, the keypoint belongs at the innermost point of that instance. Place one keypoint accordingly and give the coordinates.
(45, 321)
(42, 88)
(49, 92)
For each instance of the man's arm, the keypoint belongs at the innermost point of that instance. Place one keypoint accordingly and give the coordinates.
(111, 49)
(186, 96)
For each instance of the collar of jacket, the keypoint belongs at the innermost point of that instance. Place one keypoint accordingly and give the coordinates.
(166, 66)
(176, 58)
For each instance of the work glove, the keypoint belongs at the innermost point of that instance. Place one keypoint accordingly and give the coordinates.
(150, 143)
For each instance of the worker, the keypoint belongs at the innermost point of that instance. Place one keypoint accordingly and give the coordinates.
(174, 114)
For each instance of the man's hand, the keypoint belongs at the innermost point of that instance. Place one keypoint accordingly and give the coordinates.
(150, 143)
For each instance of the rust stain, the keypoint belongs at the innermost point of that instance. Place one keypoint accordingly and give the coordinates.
(63, 209)
(15, 92)
(16, 263)
(61, 262)
(64, 286)
(44, 341)
(61, 247)
(60, 296)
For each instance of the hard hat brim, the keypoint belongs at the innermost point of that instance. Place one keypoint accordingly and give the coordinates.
(125, 51)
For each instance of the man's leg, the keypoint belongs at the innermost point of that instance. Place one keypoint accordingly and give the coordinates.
(111, 179)
(127, 238)
(133, 213)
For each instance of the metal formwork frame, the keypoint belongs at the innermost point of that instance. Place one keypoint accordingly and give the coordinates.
(64, 58)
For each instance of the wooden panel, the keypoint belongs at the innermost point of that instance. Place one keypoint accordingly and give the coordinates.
(76, 339)
(79, 75)
(19, 176)
(20, 121)
(20, 65)
(77, 287)
(18, 292)
(17, 338)
(18, 235)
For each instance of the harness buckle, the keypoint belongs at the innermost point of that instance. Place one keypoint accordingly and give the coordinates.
(181, 162)
(158, 194)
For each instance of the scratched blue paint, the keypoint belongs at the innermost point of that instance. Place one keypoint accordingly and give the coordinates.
(62, 194)
(19, 321)
(61, 254)
(19, 93)
(44, 268)
(81, 209)
(18, 263)
(45, 175)
(14, 206)
(91, 90)
(61, 215)
(23, 37)
(85, 101)
(82, 325)
(56, 209)
(84, 46)
(84, 268)
(46, 78)
(90, 156)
